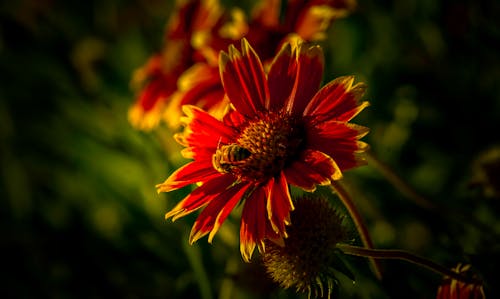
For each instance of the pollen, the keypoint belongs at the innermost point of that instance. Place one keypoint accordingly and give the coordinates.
(273, 140)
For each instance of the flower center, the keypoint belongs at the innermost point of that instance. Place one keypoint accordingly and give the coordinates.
(273, 140)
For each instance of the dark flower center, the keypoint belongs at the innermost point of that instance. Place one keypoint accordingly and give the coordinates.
(273, 140)
(308, 258)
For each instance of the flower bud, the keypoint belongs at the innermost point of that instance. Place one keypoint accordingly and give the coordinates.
(309, 255)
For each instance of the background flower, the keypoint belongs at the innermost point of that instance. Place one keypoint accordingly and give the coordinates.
(156, 81)
(453, 289)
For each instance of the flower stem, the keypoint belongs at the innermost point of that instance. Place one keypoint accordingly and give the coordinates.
(398, 182)
(406, 256)
(358, 222)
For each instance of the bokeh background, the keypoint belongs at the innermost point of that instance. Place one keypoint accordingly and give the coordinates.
(79, 213)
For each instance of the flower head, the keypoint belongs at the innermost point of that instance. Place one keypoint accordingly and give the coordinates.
(454, 289)
(283, 130)
(156, 80)
(309, 255)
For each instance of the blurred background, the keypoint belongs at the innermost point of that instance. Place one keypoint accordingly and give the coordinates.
(79, 212)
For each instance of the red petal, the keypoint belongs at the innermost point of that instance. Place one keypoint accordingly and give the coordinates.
(200, 196)
(190, 17)
(244, 80)
(204, 130)
(339, 140)
(281, 77)
(234, 119)
(200, 85)
(279, 205)
(253, 223)
(190, 173)
(314, 168)
(295, 76)
(212, 217)
(156, 92)
(197, 153)
(267, 13)
(337, 100)
(315, 17)
(309, 76)
(177, 28)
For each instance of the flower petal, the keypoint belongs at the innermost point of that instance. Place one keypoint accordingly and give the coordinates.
(313, 168)
(192, 16)
(267, 13)
(212, 217)
(145, 113)
(281, 77)
(243, 78)
(253, 223)
(316, 18)
(190, 173)
(295, 76)
(203, 134)
(309, 75)
(234, 119)
(157, 89)
(200, 85)
(200, 196)
(204, 130)
(340, 141)
(337, 100)
(279, 205)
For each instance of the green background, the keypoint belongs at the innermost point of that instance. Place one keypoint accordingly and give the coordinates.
(79, 213)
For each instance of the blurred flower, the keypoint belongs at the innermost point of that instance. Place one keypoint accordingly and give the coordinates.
(309, 257)
(146, 112)
(186, 71)
(283, 130)
(156, 81)
(311, 19)
(454, 289)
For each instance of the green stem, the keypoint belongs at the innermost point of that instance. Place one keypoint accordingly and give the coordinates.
(358, 222)
(406, 256)
(398, 182)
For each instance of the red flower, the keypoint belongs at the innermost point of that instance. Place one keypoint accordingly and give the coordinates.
(454, 289)
(186, 71)
(284, 130)
(156, 81)
(199, 85)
